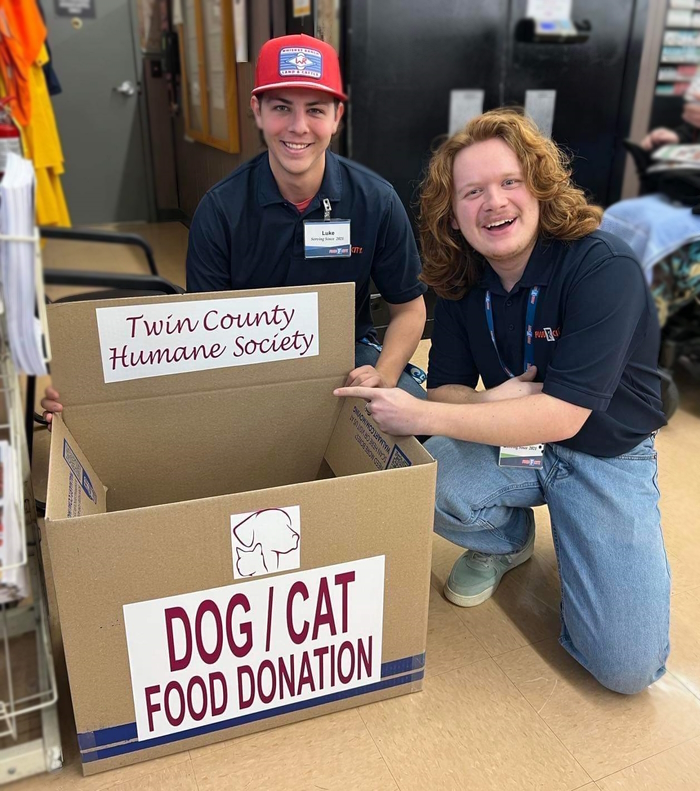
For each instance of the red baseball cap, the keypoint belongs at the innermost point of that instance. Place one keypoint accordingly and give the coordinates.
(298, 62)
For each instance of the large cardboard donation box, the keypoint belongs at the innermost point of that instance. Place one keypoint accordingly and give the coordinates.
(233, 547)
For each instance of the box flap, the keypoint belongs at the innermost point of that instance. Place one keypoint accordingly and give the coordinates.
(74, 489)
(171, 436)
(358, 446)
(124, 349)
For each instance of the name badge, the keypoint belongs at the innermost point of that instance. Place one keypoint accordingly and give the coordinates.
(521, 456)
(327, 239)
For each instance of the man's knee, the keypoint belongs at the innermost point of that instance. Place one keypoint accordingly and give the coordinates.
(625, 670)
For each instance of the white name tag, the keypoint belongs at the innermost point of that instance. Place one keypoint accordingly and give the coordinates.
(327, 239)
(521, 456)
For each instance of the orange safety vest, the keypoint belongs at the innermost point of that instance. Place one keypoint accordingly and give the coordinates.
(22, 34)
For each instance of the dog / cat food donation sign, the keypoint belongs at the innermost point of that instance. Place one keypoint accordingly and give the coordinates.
(215, 655)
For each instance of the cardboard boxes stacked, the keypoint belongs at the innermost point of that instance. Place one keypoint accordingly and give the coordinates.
(233, 547)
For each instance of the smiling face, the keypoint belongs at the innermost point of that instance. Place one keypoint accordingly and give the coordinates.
(297, 125)
(493, 207)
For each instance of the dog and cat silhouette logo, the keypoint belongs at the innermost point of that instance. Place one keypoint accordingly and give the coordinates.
(266, 541)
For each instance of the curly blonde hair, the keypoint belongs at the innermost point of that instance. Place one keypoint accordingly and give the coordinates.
(450, 265)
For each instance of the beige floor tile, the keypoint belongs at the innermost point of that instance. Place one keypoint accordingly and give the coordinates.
(684, 661)
(470, 728)
(450, 643)
(173, 773)
(677, 443)
(335, 753)
(510, 619)
(677, 769)
(605, 731)
(174, 778)
(544, 545)
(420, 357)
(685, 570)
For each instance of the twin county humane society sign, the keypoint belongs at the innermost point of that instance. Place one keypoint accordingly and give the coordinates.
(197, 335)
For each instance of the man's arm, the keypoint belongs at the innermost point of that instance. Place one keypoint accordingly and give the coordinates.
(406, 324)
(395, 270)
(516, 387)
(208, 249)
(521, 421)
(518, 421)
(405, 328)
(661, 136)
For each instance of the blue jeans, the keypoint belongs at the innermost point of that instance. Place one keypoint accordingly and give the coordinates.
(606, 527)
(368, 355)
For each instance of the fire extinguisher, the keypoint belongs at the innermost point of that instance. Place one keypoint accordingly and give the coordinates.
(10, 140)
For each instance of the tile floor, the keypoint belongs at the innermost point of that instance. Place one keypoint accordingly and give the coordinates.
(503, 706)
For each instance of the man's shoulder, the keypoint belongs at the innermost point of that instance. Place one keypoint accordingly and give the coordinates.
(237, 182)
(600, 254)
(596, 250)
(600, 244)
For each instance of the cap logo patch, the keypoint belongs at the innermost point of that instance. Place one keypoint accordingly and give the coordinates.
(300, 62)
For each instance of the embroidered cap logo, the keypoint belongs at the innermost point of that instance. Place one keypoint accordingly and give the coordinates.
(300, 61)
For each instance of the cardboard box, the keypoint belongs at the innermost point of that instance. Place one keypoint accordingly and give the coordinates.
(233, 547)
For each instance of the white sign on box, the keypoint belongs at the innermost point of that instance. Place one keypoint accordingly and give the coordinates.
(214, 656)
(266, 541)
(139, 341)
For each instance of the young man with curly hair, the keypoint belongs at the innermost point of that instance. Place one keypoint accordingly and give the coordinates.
(555, 317)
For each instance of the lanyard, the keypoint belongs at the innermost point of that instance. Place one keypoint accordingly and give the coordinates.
(529, 356)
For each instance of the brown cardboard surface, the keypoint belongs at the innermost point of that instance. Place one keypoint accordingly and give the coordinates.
(76, 367)
(180, 455)
(197, 445)
(358, 446)
(102, 562)
(245, 730)
(68, 497)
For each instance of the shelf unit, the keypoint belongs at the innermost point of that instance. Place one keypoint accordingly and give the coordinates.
(681, 48)
(30, 741)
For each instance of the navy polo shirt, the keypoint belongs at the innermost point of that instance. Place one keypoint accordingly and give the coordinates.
(244, 234)
(596, 338)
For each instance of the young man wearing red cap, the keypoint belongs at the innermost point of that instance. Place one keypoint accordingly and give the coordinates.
(255, 229)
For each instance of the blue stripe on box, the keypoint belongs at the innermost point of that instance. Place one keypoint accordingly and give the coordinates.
(403, 665)
(122, 739)
(134, 746)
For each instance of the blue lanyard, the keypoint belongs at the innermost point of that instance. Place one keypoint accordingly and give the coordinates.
(529, 356)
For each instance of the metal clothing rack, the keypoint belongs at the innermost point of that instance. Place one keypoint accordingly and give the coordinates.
(29, 732)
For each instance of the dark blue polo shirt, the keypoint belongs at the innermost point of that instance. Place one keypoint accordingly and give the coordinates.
(596, 338)
(244, 234)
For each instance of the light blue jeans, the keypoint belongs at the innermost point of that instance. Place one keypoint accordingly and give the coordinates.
(368, 355)
(606, 527)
